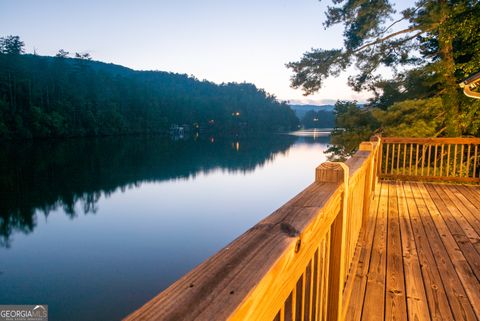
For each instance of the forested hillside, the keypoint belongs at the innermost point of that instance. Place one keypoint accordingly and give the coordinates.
(65, 97)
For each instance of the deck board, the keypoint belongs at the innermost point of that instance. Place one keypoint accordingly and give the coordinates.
(419, 257)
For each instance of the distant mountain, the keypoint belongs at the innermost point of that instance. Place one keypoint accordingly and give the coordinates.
(301, 110)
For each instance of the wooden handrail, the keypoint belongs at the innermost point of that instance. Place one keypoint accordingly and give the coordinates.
(434, 159)
(293, 265)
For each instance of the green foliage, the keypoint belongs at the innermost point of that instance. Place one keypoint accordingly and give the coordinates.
(11, 45)
(375, 36)
(64, 97)
(411, 118)
(430, 48)
(354, 124)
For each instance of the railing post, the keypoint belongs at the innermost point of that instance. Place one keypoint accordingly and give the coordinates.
(378, 156)
(336, 173)
(369, 180)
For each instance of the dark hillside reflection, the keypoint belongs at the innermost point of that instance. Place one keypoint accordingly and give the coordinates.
(44, 176)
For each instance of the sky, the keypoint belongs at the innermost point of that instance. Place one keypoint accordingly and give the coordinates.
(216, 40)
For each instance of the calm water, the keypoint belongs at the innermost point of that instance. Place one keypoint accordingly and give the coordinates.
(95, 228)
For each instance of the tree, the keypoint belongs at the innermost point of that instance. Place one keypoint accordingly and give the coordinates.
(62, 54)
(437, 40)
(11, 45)
(354, 124)
(83, 56)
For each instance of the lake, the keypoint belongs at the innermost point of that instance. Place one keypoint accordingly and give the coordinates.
(96, 227)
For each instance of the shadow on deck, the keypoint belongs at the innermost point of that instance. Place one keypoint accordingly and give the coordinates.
(418, 258)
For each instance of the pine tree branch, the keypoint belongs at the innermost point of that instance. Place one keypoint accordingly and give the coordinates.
(403, 18)
(379, 40)
(412, 37)
(393, 23)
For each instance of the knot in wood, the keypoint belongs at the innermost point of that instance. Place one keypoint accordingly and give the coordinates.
(290, 230)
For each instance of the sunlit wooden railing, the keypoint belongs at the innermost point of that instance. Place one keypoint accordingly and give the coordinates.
(447, 159)
(293, 265)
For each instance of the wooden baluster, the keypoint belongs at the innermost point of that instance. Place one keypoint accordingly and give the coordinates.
(304, 297)
(299, 301)
(435, 161)
(441, 161)
(398, 159)
(369, 181)
(379, 157)
(410, 162)
(320, 284)
(475, 162)
(312, 290)
(416, 160)
(468, 160)
(448, 160)
(386, 158)
(294, 303)
(461, 161)
(404, 157)
(454, 170)
(429, 159)
(423, 159)
(393, 159)
(315, 286)
(307, 292)
(326, 276)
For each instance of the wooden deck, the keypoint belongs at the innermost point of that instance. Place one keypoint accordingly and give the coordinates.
(418, 257)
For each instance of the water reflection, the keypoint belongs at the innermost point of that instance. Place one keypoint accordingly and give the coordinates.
(42, 177)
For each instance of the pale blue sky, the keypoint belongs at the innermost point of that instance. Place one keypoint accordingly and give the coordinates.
(218, 40)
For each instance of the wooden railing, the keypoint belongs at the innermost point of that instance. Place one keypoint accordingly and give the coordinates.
(292, 265)
(447, 159)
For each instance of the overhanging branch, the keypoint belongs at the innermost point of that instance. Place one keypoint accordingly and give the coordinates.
(379, 40)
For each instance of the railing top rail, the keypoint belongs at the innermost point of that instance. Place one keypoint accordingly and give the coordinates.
(417, 140)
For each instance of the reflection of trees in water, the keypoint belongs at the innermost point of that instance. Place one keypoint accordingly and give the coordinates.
(45, 176)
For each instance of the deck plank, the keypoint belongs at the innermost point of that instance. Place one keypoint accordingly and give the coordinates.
(355, 307)
(434, 288)
(373, 307)
(417, 304)
(395, 301)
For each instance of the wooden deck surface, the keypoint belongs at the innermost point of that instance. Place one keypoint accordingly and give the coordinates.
(418, 257)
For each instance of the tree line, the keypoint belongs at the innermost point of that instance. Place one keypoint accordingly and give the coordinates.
(63, 96)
